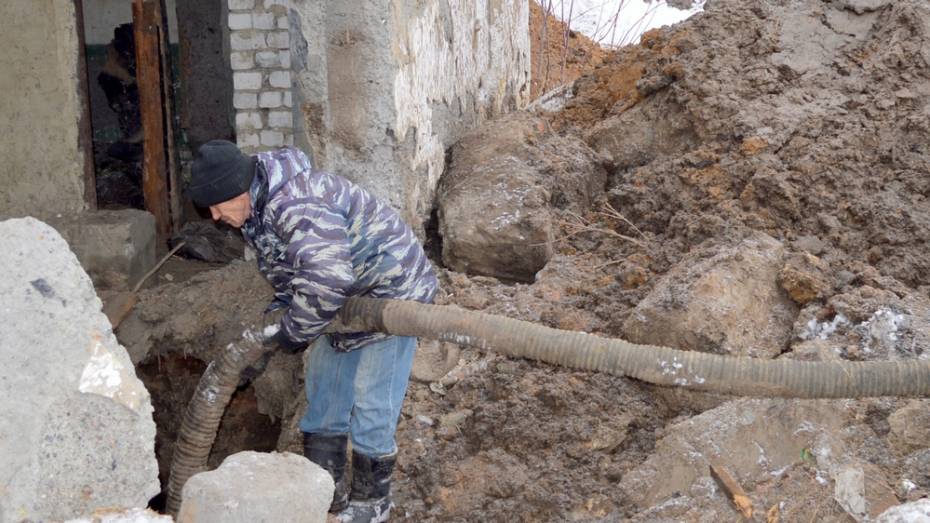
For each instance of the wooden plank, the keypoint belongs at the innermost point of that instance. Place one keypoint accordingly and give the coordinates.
(733, 489)
(174, 189)
(148, 77)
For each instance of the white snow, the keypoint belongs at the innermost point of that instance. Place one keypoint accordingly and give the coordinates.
(613, 23)
(823, 330)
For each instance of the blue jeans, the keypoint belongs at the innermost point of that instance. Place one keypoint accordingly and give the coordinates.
(358, 392)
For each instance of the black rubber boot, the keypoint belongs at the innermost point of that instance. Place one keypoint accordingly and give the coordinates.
(329, 452)
(371, 490)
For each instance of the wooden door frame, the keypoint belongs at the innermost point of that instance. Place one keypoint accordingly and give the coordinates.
(159, 172)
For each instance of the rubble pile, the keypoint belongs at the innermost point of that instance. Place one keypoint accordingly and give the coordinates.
(751, 182)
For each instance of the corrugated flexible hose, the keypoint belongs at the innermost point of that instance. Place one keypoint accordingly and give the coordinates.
(577, 350)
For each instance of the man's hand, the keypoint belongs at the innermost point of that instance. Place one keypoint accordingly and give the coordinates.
(282, 342)
(274, 336)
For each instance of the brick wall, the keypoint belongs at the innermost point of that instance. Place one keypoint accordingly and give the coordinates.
(260, 57)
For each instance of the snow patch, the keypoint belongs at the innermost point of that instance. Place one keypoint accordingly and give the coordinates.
(823, 330)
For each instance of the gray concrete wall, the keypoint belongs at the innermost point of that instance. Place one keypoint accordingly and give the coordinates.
(456, 64)
(382, 87)
(204, 98)
(42, 171)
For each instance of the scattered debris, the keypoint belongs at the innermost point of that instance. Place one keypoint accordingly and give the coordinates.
(732, 488)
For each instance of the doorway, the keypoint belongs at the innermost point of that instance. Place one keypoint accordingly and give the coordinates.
(158, 84)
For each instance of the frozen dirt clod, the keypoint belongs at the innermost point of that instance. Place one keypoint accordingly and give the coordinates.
(255, 486)
(808, 119)
(76, 424)
(726, 301)
(909, 426)
(758, 440)
(496, 199)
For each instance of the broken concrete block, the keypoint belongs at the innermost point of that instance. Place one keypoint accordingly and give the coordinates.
(116, 248)
(256, 486)
(725, 301)
(861, 489)
(497, 197)
(913, 512)
(76, 429)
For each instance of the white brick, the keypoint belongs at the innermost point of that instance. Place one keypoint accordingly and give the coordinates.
(271, 3)
(246, 40)
(270, 99)
(241, 4)
(245, 100)
(280, 119)
(280, 79)
(283, 23)
(247, 140)
(285, 58)
(287, 99)
(240, 60)
(272, 138)
(279, 39)
(247, 81)
(240, 21)
(289, 139)
(249, 121)
(268, 59)
(263, 20)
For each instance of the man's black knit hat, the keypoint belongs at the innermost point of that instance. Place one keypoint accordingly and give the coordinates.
(220, 172)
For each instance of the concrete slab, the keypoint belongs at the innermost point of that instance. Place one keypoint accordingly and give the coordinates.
(76, 428)
(115, 247)
(257, 486)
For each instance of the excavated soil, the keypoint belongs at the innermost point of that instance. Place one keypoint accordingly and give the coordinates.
(808, 122)
(559, 55)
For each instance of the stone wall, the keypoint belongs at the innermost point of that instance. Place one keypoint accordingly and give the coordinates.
(376, 90)
(260, 57)
(40, 111)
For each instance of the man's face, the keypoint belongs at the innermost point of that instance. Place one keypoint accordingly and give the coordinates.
(233, 212)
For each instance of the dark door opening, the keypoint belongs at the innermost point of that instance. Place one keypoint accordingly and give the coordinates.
(145, 58)
(116, 119)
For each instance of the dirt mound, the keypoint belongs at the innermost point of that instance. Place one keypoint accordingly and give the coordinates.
(808, 122)
(803, 122)
(551, 44)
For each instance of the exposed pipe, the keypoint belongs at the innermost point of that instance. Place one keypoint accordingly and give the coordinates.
(204, 412)
(577, 350)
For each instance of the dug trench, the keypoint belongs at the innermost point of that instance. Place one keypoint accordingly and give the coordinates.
(722, 187)
(477, 415)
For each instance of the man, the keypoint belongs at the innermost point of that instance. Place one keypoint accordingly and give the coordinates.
(321, 239)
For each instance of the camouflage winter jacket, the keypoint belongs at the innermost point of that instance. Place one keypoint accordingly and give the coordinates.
(320, 239)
